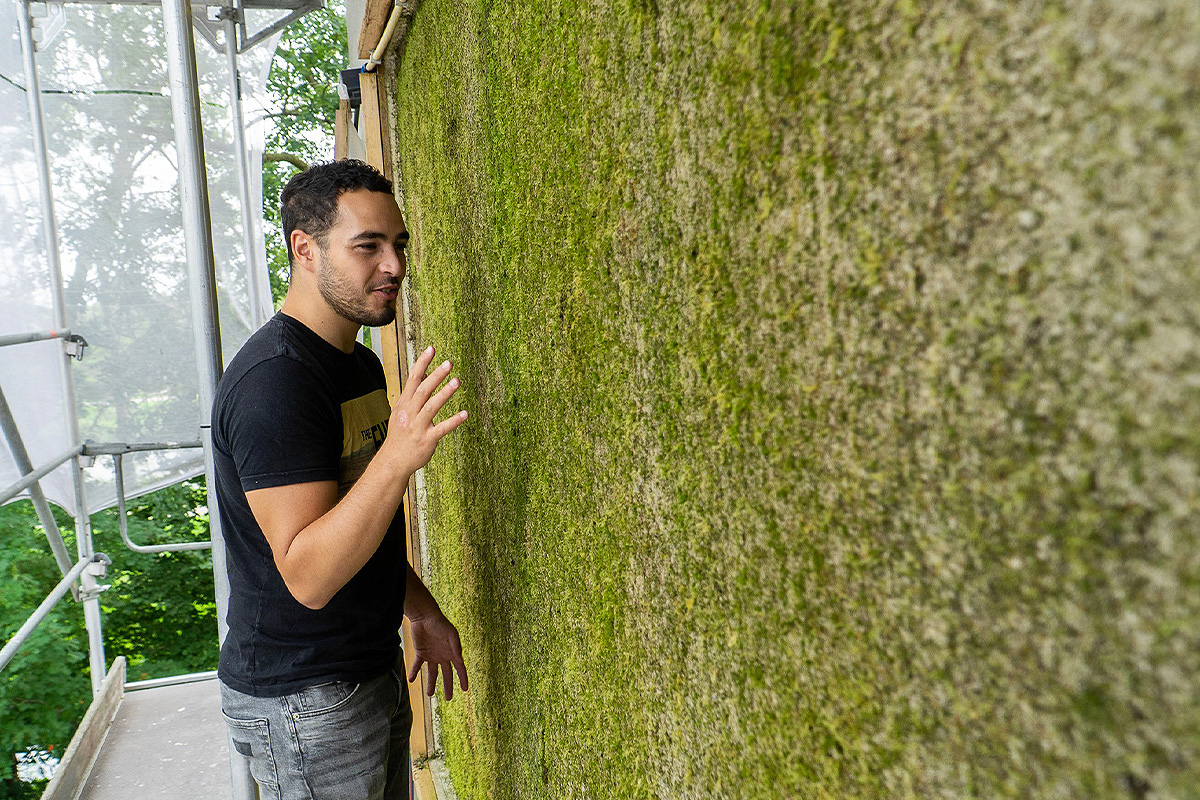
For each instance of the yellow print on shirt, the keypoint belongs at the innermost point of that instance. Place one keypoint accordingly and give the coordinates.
(364, 426)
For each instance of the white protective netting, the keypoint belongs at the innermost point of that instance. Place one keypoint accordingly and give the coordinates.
(113, 165)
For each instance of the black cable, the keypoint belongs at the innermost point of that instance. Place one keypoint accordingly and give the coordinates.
(139, 92)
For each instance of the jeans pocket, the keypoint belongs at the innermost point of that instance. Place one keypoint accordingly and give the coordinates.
(342, 737)
(251, 738)
(324, 698)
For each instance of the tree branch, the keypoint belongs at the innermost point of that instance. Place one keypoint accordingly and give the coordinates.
(296, 161)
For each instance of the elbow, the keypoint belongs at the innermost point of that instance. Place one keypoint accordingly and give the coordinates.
(312, 602)
(307, 595)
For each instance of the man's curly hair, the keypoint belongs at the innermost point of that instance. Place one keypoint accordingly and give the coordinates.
(309, 201)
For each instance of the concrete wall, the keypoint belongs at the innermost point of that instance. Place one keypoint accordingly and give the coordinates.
(834, 372)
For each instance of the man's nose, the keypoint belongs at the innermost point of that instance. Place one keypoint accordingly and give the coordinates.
(393, 263)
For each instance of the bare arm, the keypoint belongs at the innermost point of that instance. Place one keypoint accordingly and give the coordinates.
(320, 543)
(434, 638)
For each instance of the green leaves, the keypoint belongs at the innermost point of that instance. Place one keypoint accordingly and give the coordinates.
(303, 87)
(159, 613)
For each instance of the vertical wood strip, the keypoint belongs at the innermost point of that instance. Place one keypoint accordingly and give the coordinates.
(393, 344)
(341, 131)
(418, 742)
(374, 20)
(372, 128)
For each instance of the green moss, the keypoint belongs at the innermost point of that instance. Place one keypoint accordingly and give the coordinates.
(832, 371)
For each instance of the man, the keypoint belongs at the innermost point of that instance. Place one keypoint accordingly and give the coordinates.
(311, 466)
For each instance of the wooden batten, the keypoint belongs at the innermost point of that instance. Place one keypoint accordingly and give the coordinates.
(423, 784)
(374, 121)
(375, 17)
(76, 765)
(393, 339)
(341, 131)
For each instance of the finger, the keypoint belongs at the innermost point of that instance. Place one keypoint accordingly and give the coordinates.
(462, 670)
(431, 689)
(447, 681)
(422, 393)
(438, 400)
(445, 426)
(417, 373)
(415, 669)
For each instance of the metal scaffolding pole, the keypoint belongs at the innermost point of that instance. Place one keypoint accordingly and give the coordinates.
(16, 446)
(197, 232)
(255, 268)
(89, 589)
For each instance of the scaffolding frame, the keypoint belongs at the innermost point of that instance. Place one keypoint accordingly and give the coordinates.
(81, 575)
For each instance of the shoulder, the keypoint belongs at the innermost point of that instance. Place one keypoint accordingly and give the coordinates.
(275, 357)
(271, 383)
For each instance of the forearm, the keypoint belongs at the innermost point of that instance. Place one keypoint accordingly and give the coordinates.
(327, 553)
(418, 601)
(320, 542)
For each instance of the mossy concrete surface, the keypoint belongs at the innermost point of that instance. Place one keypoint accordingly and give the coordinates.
(834, 378)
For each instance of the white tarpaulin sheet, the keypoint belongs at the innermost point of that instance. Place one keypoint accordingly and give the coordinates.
(125, 287)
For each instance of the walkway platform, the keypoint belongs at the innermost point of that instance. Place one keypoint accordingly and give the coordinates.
(166, 742)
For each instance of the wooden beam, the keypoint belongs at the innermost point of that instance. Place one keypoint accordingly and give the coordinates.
(77, 762)
(341, 131)
(374, 121)
(393, 345)
(420, 739)
(423, 785)
(375, 17)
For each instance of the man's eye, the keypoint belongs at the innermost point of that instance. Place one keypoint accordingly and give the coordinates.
(367, 248)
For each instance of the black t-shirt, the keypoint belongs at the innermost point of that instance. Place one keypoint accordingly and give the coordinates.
(293, 408)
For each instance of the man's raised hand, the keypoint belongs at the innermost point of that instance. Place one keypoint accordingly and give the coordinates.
(412, 433)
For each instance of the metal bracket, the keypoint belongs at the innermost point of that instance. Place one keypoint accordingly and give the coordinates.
(48, 25)
(97, 568)
(92, 594)
(208, 28)
(100, 564)
(74, 345)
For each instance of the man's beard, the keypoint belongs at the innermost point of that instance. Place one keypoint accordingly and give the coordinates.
(348, 302)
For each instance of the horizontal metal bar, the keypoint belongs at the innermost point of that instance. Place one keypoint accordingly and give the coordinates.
(33, 477)
(174, 680)
(297, 12)
(35, 619)
(113, 448)
(36, 336)
(123, 519)
(177, 547)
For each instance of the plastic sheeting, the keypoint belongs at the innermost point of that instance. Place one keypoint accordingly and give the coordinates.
(113, 164)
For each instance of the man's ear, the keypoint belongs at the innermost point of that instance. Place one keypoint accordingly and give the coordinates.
(304, 251)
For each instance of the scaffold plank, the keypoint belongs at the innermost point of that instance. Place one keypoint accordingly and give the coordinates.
(168, 742)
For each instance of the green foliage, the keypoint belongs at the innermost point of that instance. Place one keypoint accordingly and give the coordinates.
(302, 85)
(832, 377)
(159, 613)
(44, 691)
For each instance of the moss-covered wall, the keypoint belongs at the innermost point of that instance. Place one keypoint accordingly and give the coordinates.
(834, 371)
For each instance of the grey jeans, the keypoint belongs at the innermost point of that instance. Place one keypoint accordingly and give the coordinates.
(333, 741)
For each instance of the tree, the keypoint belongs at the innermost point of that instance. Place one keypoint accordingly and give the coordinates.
(303, 88)
(44, 691)
(160, 614)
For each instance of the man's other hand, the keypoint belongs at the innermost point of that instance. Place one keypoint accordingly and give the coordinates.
(436, 643)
